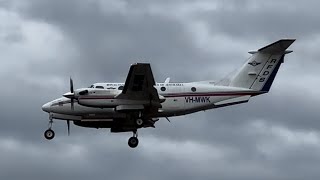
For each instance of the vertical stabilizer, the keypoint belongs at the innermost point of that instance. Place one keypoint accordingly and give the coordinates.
(261, 68)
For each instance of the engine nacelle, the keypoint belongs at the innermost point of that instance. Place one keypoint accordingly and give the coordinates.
(97, 97)
(102, 98)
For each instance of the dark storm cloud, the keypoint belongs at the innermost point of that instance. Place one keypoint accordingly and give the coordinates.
(112, 41)
(98, 40)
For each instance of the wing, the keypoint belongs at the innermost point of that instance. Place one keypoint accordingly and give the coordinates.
(139, 85)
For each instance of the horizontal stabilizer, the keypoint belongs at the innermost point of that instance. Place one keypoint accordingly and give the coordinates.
(278, 46)
(285, 52)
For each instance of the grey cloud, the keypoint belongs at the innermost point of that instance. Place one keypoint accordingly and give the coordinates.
(104, 42)
(114, 41)
(267, 20)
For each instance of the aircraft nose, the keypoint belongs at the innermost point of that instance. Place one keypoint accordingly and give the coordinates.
(46, 107)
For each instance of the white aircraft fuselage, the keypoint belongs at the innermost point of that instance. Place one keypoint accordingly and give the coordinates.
(180, 99)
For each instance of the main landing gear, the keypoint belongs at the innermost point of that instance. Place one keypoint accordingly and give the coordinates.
(49, 133)
(133, 141)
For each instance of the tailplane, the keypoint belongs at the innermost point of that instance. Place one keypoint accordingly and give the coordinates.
(261, 68)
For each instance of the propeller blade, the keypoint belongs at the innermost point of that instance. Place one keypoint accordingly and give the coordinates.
(71, 95)
(71, 85)
(72, 104)
(68, 124)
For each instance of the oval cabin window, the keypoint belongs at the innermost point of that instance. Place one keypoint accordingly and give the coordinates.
(193, 89)
(163, 88)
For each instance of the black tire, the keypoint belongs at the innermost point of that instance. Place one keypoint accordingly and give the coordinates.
(49, 134)
(133, 142)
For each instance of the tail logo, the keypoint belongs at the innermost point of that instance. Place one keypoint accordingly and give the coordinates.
(254, 63)
(267, 70)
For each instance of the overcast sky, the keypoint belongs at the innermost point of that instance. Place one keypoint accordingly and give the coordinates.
(44, 42)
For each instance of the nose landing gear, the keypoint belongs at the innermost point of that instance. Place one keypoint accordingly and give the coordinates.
(133, 141)
(49, 133)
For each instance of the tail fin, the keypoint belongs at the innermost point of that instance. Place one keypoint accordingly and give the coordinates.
(261, 68)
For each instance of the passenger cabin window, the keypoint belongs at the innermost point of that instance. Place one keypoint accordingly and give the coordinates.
(99, 87)
(120, 88)
(163, 88)
(193, 89)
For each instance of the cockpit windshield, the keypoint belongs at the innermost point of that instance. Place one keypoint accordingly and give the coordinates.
(92, 86)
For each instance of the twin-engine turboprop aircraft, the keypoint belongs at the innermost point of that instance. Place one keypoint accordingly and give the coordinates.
(140, 102)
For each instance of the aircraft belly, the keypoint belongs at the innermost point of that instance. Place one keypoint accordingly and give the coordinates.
(94, 124)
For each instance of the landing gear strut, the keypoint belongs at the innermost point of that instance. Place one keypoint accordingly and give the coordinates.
(49, 133)
(133, 141)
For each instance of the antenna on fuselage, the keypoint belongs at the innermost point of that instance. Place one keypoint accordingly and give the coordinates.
(68, 124)
(167, 80)
(168, 119)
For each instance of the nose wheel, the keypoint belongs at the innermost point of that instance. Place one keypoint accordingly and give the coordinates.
(133, 141)
(49, 133)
